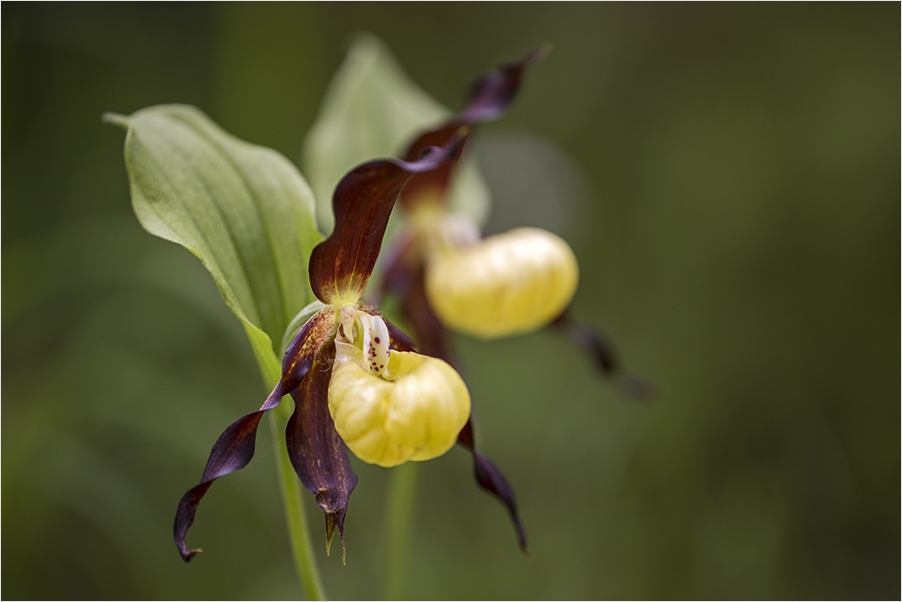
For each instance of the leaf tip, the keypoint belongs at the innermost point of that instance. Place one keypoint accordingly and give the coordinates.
(115, 119)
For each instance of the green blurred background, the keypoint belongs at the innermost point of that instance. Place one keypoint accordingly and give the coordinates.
(729, 176)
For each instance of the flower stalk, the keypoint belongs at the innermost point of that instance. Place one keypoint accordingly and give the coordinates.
(400, 509)
(305, 563)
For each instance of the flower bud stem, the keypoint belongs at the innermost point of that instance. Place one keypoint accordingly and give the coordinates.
(295, 517)
(400, 507)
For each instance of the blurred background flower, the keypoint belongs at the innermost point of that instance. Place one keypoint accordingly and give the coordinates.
(728, 177)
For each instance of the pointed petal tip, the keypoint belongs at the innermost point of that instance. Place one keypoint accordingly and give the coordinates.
(232, 451)
(521, 535)
(333, 520)
(492, 481)
(637, 389)
(538, 54)
(187, 555)
(602, 353)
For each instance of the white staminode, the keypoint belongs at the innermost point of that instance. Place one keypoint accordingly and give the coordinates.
(368, 334)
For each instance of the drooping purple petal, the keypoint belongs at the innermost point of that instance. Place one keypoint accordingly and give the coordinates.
(341, 265)
(235, 447)
(231, 452)
(602, 353)
(490, 478)
(316, 450)
(405, 277)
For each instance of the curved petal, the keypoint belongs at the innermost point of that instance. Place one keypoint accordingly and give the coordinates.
(602, 352)
(231, 452)
(490, 96)
(437, 179)
(340, 266)
(235, 447)
(490, 478)
(316, 450)
(492, 93)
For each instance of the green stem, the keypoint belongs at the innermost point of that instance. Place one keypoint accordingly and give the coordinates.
(298, 532)
(398, 521)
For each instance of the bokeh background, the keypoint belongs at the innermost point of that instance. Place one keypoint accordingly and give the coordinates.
(729, 177)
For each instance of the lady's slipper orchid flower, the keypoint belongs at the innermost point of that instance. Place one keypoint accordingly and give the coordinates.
(507, 284)
(432, 244)
(355, 378)
(447, 275)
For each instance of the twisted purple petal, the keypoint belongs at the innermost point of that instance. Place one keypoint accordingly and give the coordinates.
(235, 447)
(316, 450)
(492, 93)
(231, 452)
(490, 97)
(602, 353)
(490, 478)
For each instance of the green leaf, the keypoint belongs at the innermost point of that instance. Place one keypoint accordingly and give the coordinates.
(371, 110)
(244, 210)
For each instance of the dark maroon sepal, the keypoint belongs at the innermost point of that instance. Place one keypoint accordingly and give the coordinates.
(602, 353)
(435, 181)
(316, 450)
(490, 96)
(235, 447)
(490, 478)
(341, 265)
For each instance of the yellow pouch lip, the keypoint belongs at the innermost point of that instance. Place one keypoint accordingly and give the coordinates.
(414, 414)
(507, 284)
